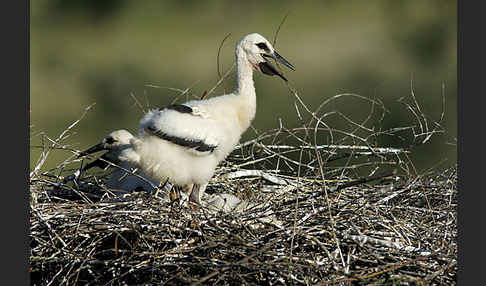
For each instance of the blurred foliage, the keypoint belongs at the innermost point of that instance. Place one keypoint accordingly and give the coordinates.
(109, 52)
(96, 10)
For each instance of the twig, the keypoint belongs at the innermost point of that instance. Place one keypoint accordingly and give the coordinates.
(56, 142)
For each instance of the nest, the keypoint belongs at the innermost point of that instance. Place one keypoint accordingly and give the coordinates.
(346, 213)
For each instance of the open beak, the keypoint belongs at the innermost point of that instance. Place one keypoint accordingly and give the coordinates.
(267, 68)
(95, 148)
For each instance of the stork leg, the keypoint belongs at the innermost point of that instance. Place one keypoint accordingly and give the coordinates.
(186, 189)
(160, 187)
(175, 193)
(196, 193)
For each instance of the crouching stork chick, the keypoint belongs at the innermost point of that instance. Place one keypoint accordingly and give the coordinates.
(117, 145)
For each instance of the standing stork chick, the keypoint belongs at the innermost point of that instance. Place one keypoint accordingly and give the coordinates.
(116, 144)
(185, 142)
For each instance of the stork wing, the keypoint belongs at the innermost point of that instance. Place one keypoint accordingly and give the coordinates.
(183, 125)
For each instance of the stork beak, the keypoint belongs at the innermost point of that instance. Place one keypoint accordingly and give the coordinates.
(267, 68)
(95, 148)
(283, 61)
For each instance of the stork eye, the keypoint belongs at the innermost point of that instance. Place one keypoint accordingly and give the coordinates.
(110, 140)
(263, 46)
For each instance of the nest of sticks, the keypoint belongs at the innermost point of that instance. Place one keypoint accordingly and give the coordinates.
(346, 213)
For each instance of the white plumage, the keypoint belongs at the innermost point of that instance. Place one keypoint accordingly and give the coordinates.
(185, 142)
(119, 179)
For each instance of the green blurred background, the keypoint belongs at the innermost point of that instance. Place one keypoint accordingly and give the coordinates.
(108, 52)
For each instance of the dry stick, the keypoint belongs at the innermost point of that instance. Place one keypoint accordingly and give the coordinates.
(279, 131)
(437, 124)
(374, 150)
(254, 173)
(391, 131)
(278, 29)
(181, 91)
(276, 35)
(49, 227)
(318, 120)
(131, 172)
(205, 93)
(345, 185)
(295, 213)
(137, 102)
(412, 92)
(280, 155)
(290, 88)
(85, 260)
(321, 171)
(290, 149)
(217, 58)
(362, 239)
(59, 138)
(244, 260)
(346, 167)
(264, 136)
(442, 114)
(293, 135)
(373, 103)
(365, 276)
(408, 187)
(420, 116)
(358, 125)
(438, 272)
(221, 79)
(352, 95)
(294, 92)
(54, 277)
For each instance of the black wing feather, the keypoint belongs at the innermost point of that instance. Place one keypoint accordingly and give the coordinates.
(198, 145)
(180, 108)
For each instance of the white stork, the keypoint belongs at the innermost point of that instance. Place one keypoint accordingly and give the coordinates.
(185, 142)
(119, 179)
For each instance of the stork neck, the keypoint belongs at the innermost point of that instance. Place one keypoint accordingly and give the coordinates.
(128, 154)
(244, 75)
(245, 89)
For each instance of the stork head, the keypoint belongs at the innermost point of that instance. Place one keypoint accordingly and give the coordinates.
(115, 141)
(258, 50)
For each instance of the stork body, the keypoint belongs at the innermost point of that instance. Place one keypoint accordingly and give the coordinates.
(199, 139)
(119, 179)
